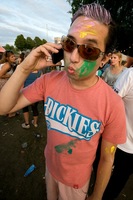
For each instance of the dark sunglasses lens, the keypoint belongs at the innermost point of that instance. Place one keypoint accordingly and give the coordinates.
(86, 51)
(68, 44)
(89, 53)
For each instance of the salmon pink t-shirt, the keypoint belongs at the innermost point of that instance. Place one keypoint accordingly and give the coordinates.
(75, 121)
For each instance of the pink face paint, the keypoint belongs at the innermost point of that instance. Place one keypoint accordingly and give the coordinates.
(84, 28)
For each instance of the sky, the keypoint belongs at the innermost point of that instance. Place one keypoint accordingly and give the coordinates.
(45, 19)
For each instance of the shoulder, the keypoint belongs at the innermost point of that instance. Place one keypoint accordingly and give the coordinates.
(5, 65)
(52, 78)
(126, 76)
(108, 93)
(125, 81)
(55, 75)
(106, 71)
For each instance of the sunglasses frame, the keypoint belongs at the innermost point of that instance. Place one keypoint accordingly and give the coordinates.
(79, 47)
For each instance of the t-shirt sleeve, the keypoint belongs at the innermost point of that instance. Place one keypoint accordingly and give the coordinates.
(124, 82)
(115, 128)
(35, 91)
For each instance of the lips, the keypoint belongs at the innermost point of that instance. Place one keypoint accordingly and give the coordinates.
(71, 70)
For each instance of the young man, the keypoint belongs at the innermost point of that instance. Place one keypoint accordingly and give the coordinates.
(123, 164)
(79, 106)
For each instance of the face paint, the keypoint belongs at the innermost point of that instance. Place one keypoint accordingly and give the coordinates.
(86, 68)
(84, 28)
(85, 33)
(113, 149)
(106, 150)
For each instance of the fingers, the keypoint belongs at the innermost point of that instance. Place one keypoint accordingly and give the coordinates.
(40, 57)
(48, 49)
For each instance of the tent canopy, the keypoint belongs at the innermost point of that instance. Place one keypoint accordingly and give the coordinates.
(2, 49)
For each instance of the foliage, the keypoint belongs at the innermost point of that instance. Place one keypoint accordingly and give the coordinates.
(28, 43)
(11, 47)
(121, 10)
(20, 42)
(122, 13)
(37, 41)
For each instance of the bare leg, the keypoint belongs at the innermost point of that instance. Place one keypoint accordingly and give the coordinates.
(35, 120)
(26, 117)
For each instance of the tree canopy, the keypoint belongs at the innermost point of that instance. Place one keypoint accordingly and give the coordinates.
(122, 13)
(28, 43)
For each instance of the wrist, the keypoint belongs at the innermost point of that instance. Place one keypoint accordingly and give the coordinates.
(23, 70)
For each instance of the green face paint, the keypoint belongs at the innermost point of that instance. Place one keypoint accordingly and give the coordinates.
(86, 68)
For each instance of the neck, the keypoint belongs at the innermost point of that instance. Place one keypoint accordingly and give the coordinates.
(116, 66)
(84, 84)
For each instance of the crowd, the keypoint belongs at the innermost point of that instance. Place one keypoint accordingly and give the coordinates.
(88, 106)
(8, 63)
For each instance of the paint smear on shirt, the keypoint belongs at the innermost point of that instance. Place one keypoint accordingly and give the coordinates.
(66, 147)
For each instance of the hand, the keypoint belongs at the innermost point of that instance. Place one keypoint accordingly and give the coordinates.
(39, 57)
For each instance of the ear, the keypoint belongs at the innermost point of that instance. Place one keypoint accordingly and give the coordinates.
(104, 60)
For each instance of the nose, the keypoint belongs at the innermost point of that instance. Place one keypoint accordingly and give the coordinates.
(75, 57)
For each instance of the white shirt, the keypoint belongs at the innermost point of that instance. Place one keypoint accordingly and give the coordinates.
(124, 87)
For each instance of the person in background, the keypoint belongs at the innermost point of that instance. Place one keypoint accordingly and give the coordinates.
(79, 107)
(30, 79)
(111, 73)
(6, 67)
(50, 68)
(6, 70)
(129, 62)
(103, 65)
(123, 164)
(2, 50)
(20, 58)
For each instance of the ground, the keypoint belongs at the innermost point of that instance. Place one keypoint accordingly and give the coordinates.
(15, 160)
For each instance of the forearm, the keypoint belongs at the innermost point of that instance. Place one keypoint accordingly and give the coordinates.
(103, 176)
(10, 92)
(5, 76)
(36, 60)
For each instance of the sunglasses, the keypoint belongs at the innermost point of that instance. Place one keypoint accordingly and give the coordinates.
(86, 51)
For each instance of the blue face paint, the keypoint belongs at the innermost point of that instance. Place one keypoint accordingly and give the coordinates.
(86, 68)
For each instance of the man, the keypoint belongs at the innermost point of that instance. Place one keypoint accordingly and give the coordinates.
(123, 164)
(79, 106)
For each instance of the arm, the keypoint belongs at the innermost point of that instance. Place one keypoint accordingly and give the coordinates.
(129, 61)
(104, 169)
(4, 70)
(36, 60)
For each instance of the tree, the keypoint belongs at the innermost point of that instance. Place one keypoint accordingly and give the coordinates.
(122, 13)
(30, 43)
(10, 47)
(44, 41)
(37, 41)
(20, 42)
(23, 44)
(121, 10)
